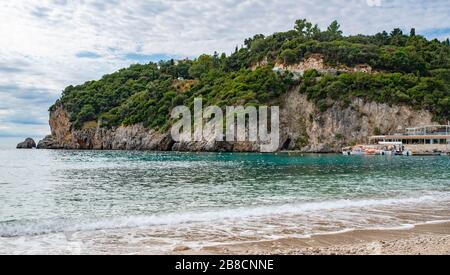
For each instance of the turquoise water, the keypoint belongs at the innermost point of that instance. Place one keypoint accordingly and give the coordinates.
(85, 202)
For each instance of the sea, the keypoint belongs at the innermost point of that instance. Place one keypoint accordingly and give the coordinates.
(121, 202)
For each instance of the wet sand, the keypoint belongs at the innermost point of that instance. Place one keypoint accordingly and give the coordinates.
(428, 239)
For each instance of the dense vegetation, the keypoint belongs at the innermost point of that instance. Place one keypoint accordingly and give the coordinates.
(410, 70)
(147, 93)
(430, 93)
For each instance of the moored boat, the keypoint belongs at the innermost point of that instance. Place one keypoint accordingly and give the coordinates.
(380, 149)
(424, 140)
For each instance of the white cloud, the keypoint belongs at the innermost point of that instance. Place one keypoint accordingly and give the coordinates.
(53, 43)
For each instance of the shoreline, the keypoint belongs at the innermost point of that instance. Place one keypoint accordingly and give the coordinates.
(424, 239)
(283, 152)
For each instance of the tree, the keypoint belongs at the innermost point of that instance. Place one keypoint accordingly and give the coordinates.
(303, 27)
(289, 56)
(87, 113)
(182, 68)
(258, 45)
(201, 66)
(382, 38)
(397, 37)
(315, 31)
(413, 32)
(333, 31)
(248, 42)
(396, 32)
(334, 28)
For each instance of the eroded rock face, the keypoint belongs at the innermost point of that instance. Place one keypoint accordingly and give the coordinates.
(134, 137)
(27, 144)
(315, 62)
(47, 143)
(303, 128)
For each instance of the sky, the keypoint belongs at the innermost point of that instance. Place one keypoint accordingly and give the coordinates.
(46, 45)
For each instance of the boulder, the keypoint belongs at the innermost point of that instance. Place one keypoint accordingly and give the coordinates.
(47, 143)
(27, 144)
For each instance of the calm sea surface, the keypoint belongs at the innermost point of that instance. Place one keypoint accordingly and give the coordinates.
(84, 202)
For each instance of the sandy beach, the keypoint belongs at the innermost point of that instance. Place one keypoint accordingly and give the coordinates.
(428, 239)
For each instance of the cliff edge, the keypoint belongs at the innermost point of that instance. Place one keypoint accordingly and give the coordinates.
(303, 128)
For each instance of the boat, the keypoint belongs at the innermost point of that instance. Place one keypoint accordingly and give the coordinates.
(380, 149)
(423, 140)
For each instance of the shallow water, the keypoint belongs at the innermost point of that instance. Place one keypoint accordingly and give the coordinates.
(93, 202)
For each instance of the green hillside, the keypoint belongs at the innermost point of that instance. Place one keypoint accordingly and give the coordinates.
(411, 70)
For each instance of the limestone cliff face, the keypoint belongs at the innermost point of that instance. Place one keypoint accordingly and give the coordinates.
(134, 137)
(303, 128)
(307, 129)
(315, 62)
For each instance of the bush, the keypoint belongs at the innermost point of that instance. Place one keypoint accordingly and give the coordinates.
(289, 57)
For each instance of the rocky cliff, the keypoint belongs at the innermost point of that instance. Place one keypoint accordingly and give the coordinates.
(307, 129)
(134, 137)
(316, 62)
(303, 127)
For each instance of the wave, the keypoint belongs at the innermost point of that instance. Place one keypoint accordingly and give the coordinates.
(49, 226)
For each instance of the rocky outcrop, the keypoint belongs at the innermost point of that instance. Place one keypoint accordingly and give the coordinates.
(315, 62)
(47, 143)
(134, 137)
(27, 144)
(303, 127)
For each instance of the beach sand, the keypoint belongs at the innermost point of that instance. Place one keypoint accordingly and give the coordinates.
(428, 239)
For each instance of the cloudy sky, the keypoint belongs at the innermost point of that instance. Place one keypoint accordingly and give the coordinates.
(47, 45)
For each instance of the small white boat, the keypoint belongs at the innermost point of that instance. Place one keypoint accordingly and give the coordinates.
(408, 153)
(381, 149)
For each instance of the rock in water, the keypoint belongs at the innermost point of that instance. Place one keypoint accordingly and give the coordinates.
(46, 143)
(27, 144)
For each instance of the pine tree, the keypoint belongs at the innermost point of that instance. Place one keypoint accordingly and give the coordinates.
(334, 30)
